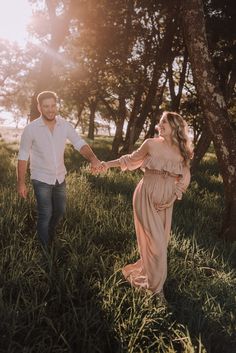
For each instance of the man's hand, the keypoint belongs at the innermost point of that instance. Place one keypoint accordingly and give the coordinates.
(105, 166)
(21, 172)
(22, 190)
(97, 166)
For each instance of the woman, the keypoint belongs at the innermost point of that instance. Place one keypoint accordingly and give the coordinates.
(165, 161)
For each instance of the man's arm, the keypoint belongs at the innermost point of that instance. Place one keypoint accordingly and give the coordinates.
(21, 172)
(23, 156)
(84, 149)
(88, 153)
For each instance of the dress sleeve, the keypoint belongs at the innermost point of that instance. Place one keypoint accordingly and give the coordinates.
(134, 160)
(183, 183)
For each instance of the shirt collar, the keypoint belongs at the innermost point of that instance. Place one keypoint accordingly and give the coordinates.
(42, 123)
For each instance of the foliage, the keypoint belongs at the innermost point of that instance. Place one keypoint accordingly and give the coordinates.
(15, 79)
(109, 50)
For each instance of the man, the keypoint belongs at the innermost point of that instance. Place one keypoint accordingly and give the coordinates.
(43, 141)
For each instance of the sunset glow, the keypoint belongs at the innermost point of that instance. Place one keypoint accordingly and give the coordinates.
(14, 18)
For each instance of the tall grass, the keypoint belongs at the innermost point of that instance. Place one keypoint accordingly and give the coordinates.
(77, 301)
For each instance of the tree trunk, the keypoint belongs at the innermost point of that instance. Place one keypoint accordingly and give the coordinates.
(127, 146)
(175, 98)
(140, 111)
(156, 113)
(162, 58)
(230, 87)
(124, 55)
(118, 116)
(201, 148)
(80, 108)
(93, 106)
(118, 138)
(214, 107)
(154, 120)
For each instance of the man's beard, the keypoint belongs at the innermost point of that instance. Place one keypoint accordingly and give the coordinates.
(48, 119)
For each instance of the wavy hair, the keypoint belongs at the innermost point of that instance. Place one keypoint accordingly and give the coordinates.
(180, 135)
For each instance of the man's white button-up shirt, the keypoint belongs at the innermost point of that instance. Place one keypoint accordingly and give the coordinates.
(46, 149)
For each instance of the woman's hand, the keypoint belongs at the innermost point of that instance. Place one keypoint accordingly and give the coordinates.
(105, 166)
(165, 205)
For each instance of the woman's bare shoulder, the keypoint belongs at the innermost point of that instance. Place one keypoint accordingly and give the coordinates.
(154, 140)
(152, 143)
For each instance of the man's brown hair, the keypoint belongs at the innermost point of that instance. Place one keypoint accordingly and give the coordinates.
(45, 95)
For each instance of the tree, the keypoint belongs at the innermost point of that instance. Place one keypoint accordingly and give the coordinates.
(213, 105)
(15, 70)
(56, 27)
(154, 50)
(220, 29)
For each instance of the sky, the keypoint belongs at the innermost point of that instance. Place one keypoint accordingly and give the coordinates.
(7, 120)
(14, 19)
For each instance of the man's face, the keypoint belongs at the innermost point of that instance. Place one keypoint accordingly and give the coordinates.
(48, 108)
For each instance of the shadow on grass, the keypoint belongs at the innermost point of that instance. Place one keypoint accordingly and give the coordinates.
(201, 211)
(113, 186)
(201, 326)
(52, 306)
(199, 215)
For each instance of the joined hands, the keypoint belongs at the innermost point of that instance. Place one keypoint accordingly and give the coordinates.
(98, 167)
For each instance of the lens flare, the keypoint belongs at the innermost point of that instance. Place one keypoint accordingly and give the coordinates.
(14, 18)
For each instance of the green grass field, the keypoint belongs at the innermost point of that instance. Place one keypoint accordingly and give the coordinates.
(80, 302)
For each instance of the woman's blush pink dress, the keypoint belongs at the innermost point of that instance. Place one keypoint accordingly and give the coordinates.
(164, 176)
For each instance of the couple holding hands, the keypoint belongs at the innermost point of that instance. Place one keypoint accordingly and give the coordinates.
(164, 160)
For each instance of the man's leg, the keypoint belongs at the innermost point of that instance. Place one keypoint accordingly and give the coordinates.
(43, 194)
(58, 206)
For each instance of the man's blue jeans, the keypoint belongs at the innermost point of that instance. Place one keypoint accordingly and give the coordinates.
(51, 204)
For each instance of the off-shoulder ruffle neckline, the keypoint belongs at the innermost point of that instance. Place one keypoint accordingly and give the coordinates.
(160, 163)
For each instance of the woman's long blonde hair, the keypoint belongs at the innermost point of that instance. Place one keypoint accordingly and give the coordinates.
(180, 135)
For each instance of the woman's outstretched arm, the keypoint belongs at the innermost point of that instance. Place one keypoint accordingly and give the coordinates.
(113, 163)
(130, 161)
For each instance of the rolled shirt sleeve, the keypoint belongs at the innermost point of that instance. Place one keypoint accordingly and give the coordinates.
(74, 137)
(25, 145)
